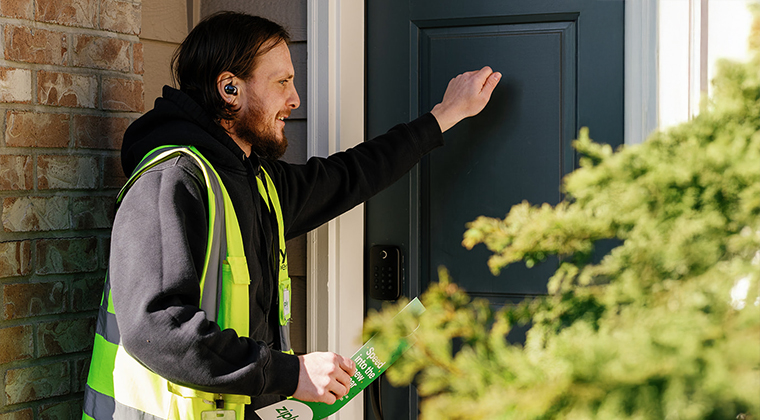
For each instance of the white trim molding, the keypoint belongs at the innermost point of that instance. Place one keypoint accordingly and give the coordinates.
(335, 251)
(698, 17)
(640, 70)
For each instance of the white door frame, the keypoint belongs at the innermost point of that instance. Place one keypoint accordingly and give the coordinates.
(640, 70)
(335, 287)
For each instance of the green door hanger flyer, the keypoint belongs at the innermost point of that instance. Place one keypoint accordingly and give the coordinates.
(368, 368)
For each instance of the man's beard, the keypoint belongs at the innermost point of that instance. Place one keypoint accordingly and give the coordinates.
(253, 129)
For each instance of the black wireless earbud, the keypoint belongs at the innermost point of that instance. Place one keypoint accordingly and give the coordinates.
(230, 90)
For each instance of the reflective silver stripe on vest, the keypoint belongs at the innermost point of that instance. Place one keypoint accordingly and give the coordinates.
(285, 337)
(127, 412)
(212, 287)
(106, 326)
(97, 405)
(101, 406)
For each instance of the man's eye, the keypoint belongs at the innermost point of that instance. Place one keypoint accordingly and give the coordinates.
(282, 82)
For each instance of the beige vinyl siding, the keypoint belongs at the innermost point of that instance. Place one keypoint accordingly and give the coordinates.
(292, 15)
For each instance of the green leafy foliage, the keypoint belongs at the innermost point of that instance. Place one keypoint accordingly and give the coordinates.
(666, 326)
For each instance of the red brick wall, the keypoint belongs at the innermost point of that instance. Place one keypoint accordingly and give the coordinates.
(70, 83)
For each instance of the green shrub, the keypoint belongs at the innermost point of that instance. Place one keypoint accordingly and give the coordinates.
(666, 326)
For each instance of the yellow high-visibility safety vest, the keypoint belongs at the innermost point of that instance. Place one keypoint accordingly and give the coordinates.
(120, 387)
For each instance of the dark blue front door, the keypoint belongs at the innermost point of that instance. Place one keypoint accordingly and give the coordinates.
(562, 66)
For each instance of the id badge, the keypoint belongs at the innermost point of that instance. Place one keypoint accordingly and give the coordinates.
(218, 415)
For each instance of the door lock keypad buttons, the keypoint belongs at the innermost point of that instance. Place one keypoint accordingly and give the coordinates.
(385, 272)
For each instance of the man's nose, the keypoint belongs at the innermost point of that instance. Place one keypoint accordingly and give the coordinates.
(294, 101)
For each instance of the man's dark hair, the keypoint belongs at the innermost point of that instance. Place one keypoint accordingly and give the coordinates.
(224, 41)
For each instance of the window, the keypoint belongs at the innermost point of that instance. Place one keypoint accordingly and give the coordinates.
(692, 36)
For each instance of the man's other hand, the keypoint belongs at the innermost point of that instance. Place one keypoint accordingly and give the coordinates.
(324, 377)
(465, 96)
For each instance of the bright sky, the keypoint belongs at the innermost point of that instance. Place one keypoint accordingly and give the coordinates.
(729, 24)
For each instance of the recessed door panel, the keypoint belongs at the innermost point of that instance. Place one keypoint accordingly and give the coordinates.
(517, 149)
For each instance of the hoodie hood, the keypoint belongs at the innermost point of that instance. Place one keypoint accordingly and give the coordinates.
(177, 119)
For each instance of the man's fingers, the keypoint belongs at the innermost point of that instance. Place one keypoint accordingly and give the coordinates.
(348, 365)
(476, 78)
(482, 74)
(342, 376)
(328, 398)
(465, 96)
(336, 391)
(484, 80)
(342, 384)
(324, 377)
(491, 82)
(345, 373)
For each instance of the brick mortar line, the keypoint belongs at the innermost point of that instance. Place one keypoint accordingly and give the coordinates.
(110, 193)
(47, 361)
(4, 408)
(100, 14)
(98, 274)
(46, 319)
(5, 234)
(35, 90)
(69, 30)
(36, 322)
(38, 404)
(3, 125)
(49, 318)
(35, 278)
(160, 41)
(101, 92)
(98, 233)
(65, 191)
(69, 233)
(2, 43)
(50, 109)
(58, 151)
(84, 192)
(71, 358)
(35, 180)
(80, 71)
(72, 138)
(102, 192)
(12, 323)
(56, 235)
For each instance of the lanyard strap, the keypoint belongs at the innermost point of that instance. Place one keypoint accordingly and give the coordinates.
(280, 259)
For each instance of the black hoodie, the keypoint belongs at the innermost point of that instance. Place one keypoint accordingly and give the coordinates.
(160, 233)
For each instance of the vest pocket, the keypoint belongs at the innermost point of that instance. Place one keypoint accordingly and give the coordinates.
(190, 404)
(233, 313)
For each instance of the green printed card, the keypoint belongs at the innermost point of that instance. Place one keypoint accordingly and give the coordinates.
(368, 368)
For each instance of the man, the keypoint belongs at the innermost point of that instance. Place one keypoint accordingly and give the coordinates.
(170, 356)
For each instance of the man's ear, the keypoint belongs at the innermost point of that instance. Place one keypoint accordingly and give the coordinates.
(226, 85)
